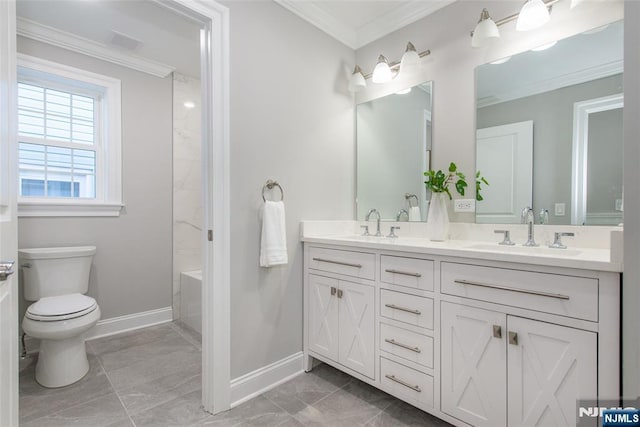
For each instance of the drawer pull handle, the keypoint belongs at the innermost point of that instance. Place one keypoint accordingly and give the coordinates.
(506, 288)
(408, 310)
(406, 273)
(330, 261)
(406, 384)
(399, 344)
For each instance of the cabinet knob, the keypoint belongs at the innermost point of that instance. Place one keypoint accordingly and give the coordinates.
(333, 290)
(339, 293)
(497, 331)
(513, 338)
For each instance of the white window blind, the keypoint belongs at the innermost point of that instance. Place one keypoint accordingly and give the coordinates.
(58, 142)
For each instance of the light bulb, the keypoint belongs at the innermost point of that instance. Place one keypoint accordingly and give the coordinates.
(410, 58)
(485, 30)
(382, 72)
(534, 14)
(357, 81)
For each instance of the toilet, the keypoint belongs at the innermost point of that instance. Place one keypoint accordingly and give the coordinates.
(56, 279)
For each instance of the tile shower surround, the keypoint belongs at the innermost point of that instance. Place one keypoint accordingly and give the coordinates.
(151, 377)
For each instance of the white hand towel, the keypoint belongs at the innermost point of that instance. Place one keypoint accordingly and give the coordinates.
(273, 244)
(414, 213)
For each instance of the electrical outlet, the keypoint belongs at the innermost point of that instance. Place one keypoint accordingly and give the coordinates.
(560, 209)
(464, 205)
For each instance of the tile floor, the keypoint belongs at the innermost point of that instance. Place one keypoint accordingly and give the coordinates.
(151, 377)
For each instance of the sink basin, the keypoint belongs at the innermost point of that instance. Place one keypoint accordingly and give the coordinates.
(524, 250)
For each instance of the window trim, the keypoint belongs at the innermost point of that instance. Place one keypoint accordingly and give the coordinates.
(110, 203)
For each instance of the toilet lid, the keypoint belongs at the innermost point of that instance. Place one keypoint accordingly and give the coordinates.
(63, 307)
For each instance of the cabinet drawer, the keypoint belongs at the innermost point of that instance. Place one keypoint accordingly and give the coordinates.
(411, 272)
(406, 383)
(549, 293)
(406, 344)
(407, 308)
(356, 264)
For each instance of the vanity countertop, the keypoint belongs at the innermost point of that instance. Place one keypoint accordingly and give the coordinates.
(578, 258)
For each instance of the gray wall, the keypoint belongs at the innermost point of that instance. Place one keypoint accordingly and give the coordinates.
(390, 140)
(552, 115)
(132, 265)
(452, 63)
(292, 120)
(631, 288)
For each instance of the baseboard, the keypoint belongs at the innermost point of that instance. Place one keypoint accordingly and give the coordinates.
(261, 380)
(116, 325)
(130, 322)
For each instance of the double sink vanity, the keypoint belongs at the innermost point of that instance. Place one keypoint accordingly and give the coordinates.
(470, 331)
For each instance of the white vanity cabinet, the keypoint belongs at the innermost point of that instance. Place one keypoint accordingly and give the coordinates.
(476, 342)
(340, 311)
(541, 367)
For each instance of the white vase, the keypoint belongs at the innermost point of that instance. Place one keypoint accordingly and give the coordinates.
(438, 219)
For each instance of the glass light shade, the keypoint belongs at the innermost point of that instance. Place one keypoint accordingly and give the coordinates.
(357, 81)
(485, 30)
(534, 14)
(410, 58)
(382, 72)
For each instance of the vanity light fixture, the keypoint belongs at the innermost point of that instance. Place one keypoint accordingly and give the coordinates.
(485, 30)
(356, 81)
(534, 14)
(384, 71)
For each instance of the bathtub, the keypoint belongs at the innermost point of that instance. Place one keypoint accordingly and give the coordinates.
(191, 299)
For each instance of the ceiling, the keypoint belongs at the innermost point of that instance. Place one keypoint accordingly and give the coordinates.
(147, 36)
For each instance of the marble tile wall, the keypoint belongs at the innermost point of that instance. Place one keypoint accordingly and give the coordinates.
(187, 188)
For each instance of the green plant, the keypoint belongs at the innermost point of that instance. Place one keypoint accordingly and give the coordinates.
(479, 181)
(438, 181)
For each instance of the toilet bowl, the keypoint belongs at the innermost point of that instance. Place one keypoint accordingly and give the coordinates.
(60, 317)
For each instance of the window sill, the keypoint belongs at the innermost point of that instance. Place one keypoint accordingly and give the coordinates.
(31, 209)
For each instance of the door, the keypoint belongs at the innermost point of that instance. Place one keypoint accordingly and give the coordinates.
(8, 222)
(357, 327)
(550, 367)
(504, 156)
(323, 316)
(474, 381)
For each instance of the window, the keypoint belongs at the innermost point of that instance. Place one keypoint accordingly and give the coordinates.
(68, 141)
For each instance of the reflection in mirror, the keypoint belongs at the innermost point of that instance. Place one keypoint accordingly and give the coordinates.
(393, 151)
(549, 132)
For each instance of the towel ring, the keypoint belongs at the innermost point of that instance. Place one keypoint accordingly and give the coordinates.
(269, 185)
(411, 196)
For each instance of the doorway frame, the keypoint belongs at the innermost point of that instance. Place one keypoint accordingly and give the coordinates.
(580, 152)
(216, 301)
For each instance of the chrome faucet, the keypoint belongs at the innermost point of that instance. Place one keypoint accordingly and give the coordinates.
(528, 217)
(371, 212)
(400, 213)
(543, 216)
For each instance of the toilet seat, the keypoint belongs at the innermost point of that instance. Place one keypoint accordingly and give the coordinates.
(63, 307)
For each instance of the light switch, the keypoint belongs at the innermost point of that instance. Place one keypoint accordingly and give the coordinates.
(559, 210)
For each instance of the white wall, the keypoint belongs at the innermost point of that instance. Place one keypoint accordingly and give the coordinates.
(452, 63)
(292, 120)
(187, 182)
(132, 267)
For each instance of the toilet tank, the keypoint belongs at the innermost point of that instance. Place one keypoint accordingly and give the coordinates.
(49, 272)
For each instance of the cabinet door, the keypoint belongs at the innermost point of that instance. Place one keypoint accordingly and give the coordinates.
(474, 382)
(357, 327)
(550, 367)
(323, 316)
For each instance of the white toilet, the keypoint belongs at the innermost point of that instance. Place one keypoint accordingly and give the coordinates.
(57, 278)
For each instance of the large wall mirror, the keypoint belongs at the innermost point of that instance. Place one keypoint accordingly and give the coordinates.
(393, 150)
(549, 132)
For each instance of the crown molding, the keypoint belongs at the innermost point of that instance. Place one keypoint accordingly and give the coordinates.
(583, 76)
(55, 37)
(408, 13)
(318, 17)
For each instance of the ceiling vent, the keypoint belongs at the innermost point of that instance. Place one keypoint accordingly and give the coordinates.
(124, 41)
